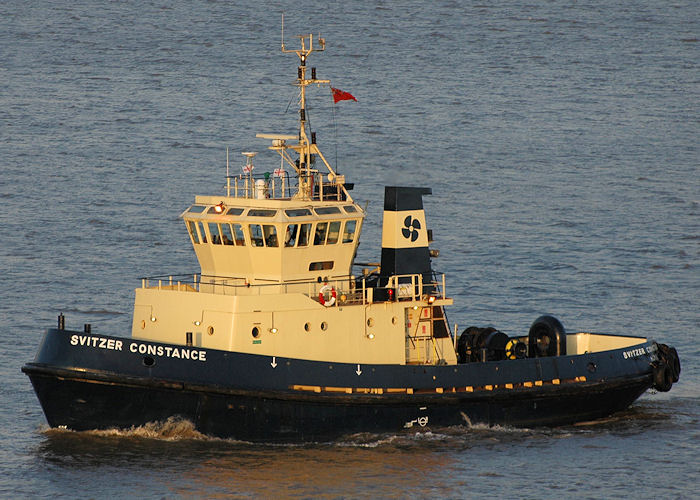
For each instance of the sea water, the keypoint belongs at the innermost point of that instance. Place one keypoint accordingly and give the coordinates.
(559, 140)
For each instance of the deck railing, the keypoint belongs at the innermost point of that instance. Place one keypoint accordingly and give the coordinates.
(348, 289)
(282, 186)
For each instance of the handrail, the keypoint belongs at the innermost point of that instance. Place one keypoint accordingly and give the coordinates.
(279, 186)
(405, 287)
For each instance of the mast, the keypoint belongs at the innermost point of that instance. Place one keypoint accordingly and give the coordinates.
(306, 147)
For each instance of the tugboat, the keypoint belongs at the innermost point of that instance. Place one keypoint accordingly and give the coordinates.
(277, 340)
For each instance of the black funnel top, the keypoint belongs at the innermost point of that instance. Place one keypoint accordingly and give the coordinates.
(404, 233)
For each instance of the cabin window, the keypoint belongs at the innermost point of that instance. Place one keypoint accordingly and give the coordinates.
(239, 235)
(270, 233)
(349, 232)
(263, 235)
(214, 232)
(321, 266)
(193, 231)
(333, 233)
(350, 209)
(196, 209)
(304, 235)
(234, 211)
(320, 234)
(327, 210)
(256, 235)
(260, 212)
(202, 234)
(290, 236)
(298, 212)
(226, 236)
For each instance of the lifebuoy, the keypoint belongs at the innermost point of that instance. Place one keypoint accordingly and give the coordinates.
(322, 295)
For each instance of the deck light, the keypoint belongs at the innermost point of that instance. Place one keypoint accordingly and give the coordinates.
(153, 319)
(370, 336)
(273, 330)
(219, 209)
(197, 323)
(431, 299)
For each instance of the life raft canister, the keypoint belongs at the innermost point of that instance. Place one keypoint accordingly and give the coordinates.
(322, 295)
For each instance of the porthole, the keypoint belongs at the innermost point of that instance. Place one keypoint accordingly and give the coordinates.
(307, 327)
(394, 320)
(143, 324)
(324, 326)
(370, 321)
(210, 330)
(255, 332)
(148, 361)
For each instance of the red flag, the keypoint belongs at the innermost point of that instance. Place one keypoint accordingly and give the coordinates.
(339, 95)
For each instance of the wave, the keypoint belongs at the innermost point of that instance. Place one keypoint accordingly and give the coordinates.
(172, 429)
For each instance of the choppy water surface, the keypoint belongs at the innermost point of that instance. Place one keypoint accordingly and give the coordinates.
(560, 140)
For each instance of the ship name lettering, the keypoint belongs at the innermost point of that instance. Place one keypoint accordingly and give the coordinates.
(168, 351)
(96, 342)
(634, 353)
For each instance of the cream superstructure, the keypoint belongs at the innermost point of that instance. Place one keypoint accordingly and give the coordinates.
(276, 252)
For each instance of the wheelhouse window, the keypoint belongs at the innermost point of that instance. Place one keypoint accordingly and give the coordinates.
(320, 234)
(214, 232)
(226, 236)
(256, 235)
(350, 209)
(290, 235)
(270, 233)
(192, 228)
(261, 212)
(333, 233)
(327, 210)
(196, 209)
(304, 235)
(349, 231)
(297, 212)
(239, 236)
(202, 233)
(263, 235)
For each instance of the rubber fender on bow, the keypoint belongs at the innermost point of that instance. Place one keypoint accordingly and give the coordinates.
(669, 355)
(663, 376)
(547, 337)
(675, 363)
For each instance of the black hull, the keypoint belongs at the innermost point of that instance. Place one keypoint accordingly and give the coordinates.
(244, 397)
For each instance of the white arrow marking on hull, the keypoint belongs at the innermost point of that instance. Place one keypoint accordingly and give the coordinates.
(274, 362)
(358, 370)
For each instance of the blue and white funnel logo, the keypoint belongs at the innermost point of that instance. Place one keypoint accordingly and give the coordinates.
(410, 229)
